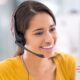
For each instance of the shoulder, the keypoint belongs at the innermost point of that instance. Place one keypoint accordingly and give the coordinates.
(8, 65)
(8, 61)
(66, 57)
(67, 60)
(67, 63)
(12, 68)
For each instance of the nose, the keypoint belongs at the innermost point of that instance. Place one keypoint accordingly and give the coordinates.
(49, 39)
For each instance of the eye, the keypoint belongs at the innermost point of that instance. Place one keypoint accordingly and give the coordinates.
(38, 33)
(52, 30)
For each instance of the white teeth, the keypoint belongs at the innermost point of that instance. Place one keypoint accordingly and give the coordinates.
(48, 46)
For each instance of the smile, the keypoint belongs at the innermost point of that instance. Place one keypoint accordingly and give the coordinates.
(48, 49)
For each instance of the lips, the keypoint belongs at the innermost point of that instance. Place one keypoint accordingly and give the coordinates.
(48, 49)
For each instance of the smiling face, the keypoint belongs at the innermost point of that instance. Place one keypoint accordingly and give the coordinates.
(41, 34)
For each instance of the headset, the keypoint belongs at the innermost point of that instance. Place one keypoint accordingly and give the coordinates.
(19, 40)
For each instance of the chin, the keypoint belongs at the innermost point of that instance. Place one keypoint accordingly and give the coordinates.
(48, 55)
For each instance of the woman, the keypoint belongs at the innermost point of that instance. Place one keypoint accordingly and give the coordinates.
(36, 59)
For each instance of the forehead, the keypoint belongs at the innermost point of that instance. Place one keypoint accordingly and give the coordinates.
(41, 20)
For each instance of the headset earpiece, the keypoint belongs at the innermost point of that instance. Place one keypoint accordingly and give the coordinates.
(19, 37)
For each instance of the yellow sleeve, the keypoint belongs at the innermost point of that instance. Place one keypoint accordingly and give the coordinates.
(71, 64)
(72, 67)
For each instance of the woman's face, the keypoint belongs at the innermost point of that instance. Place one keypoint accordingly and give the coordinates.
(41, 34)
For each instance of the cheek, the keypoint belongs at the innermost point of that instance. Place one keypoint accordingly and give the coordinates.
(36, 43)
(33, 42)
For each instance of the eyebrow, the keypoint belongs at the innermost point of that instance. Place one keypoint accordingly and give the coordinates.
(52, 25)
(39, 29)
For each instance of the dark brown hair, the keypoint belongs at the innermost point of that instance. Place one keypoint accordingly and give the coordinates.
(25, 13)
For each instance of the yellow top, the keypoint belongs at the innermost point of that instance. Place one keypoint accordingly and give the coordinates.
(13, 68)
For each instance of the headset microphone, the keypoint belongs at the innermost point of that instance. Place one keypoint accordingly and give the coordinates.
(24, 48)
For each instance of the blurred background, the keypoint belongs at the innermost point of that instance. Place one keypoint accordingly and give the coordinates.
(67, 13)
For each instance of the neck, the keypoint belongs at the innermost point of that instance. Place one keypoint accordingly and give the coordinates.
(35, 63)
(31, 59)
